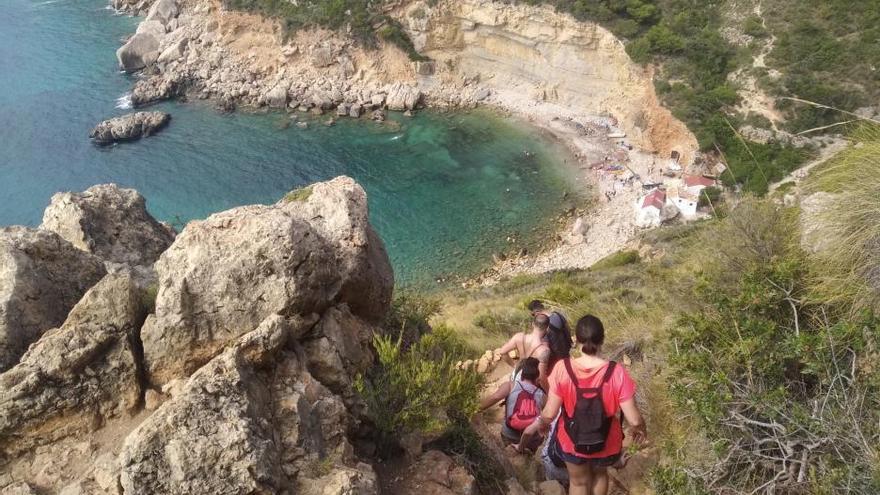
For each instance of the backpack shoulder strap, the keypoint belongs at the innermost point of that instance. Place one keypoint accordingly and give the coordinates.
(571, 375)
(608, 372)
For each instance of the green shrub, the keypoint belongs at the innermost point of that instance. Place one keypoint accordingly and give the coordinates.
(418, 389)
(301, 194)
(709, 196)
(410, 316)
(393, 33)
(620, 258)
(775, 382)
(506, 323)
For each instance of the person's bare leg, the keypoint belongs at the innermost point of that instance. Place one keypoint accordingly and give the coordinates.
(600, 481)
(495, 397)
(580, 480)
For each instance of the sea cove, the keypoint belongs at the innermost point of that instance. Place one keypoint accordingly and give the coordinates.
(446, 189)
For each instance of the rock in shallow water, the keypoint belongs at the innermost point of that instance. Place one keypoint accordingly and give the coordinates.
(129, 127)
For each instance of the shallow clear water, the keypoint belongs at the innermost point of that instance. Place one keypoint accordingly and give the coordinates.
(445, 190)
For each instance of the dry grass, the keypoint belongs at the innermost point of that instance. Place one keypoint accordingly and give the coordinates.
(848, 266)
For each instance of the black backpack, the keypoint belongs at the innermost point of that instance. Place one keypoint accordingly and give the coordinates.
(589, 427)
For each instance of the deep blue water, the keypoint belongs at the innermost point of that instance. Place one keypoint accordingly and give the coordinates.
(445, 190)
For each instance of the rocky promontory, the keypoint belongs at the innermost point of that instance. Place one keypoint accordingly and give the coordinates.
(129, 127)
(228, 371)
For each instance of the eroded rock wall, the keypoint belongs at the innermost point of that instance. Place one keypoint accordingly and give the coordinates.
(239, 382)
(533, 53)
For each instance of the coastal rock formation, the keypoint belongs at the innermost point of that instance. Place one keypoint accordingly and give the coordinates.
(138, 52)
(110, 222)
(294, 257)
(78, 375)
(129, 127)
(264, 315)
(42, 277)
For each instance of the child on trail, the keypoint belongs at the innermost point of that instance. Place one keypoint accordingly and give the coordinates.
(524, 404)
(587, 394)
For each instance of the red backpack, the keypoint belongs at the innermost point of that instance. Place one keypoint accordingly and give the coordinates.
(524, 411)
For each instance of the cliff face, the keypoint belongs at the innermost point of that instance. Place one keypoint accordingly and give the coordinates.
(224, 367)
(530, 55)
(516, 57)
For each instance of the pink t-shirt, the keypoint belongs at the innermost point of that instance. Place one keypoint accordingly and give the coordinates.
(619, 388)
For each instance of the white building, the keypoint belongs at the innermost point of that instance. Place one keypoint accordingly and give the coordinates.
(649, 209)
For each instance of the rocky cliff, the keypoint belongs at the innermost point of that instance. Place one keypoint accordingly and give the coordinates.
(216, 361)
(526, 59)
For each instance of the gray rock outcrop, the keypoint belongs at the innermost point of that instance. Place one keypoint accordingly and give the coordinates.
(78, 375)
(110, 222)
(140, 51)
(226, 274)
(253, 413)
(42, 277)
(163, 11)
(129, 127)
(263, 316)
(403, 97)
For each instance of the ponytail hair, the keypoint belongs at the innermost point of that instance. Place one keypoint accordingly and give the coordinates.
(558, 338)
(590, 334)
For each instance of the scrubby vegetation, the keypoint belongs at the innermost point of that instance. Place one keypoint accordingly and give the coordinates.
(363, 19)
(758, 361)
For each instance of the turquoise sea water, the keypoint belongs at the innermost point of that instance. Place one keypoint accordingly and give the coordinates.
(445, 190)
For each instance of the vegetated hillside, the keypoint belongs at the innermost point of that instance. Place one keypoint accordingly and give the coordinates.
(364, 20)
(761, 369)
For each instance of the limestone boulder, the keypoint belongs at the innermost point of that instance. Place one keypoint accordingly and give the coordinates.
(154, 28)
(360, 480)
(129, 127)
(323, 56)
(224, 275)
(437, 474)
(277, 96)
(110, 222)
(78, 375)
(339, 349)
(140, 51)
(174, 51)
(42, 277)
(253, 413)
(163, 11)
(400, 97)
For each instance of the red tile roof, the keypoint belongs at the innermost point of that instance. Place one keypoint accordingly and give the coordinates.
(656, 199)
(698, 180)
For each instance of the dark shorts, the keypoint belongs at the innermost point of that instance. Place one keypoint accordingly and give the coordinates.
(557, 454)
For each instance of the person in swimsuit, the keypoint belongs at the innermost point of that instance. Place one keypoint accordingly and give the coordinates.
(527, 345)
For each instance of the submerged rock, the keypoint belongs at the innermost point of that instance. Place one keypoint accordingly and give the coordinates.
(42, 277)
(129, 127)
(110, 222)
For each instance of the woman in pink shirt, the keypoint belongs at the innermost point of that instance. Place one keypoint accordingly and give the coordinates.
(588, 471)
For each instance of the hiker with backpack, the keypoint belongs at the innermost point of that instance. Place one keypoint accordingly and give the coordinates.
(524, 404)
(585, 399)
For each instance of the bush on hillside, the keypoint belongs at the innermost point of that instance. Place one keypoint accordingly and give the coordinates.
(418, 389)
(788, 393)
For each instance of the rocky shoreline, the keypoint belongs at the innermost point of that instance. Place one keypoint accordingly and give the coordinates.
(482, 53)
